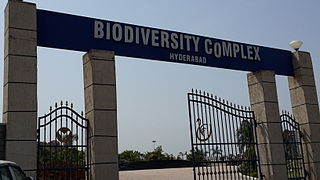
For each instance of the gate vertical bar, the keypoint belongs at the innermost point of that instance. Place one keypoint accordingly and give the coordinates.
(58, 146)
(190, 98)
(214, 125)
(38, 149)
(88, 150)
(293, 147)
(257, 148)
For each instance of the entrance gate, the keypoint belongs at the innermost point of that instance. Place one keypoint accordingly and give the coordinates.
(223, 139)
(292, 147)
(62, 145)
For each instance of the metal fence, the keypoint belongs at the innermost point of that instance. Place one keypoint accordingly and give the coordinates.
(292, 146)
(223, 139)
(62, 145)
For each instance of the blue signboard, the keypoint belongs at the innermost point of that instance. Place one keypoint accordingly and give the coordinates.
(65, 31)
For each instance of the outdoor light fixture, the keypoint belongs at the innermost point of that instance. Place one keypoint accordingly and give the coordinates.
(154, 144)
(296, 44)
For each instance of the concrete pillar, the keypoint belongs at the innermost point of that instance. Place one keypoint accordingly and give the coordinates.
(264, 102)
(20, 84)
(101, 110)
(305, 108)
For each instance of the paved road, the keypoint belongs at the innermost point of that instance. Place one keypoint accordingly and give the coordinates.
(158, 174)
(171, 174)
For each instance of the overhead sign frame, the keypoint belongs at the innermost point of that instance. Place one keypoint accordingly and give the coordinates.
(71, 32)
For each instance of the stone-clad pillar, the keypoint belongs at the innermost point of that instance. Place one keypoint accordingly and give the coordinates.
(305, 108)
(20, 84)
(264, 103)
(101, 110)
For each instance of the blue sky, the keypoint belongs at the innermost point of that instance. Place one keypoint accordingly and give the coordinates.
(152, 102)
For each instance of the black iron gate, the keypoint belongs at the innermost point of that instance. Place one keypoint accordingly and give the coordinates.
(63, 145)
(223, 139)
(293, 147)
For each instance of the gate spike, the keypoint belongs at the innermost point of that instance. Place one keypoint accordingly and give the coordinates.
(82, 113)
(192, 90)
(61, 103)
(71, 105)
(67, 103)
(50, 109)
(196, 91)
(211, 95)
(56, 105)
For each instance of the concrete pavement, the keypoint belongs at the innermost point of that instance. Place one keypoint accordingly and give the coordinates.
(176, 174)
(158, 174)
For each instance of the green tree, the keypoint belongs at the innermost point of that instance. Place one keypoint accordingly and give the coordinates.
(292, 152)
(198, 154)
(249, 166)
(180, 156)
(216, 153)
(189, 156)
(245, 135)
(157, 154)
(291, 148)
(59, 155)
(130, 155)
(245, 139)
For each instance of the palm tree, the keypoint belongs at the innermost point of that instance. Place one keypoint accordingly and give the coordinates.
(215, 153)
